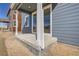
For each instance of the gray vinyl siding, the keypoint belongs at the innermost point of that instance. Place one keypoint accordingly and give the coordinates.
(26, 29)
(65, 25)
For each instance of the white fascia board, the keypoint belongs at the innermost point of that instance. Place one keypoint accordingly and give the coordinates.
(12, 5)
(19, 5)
(46, 7)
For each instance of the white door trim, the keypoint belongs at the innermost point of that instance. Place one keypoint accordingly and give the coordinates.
(32, 20)
(47, 7)
(44, 8)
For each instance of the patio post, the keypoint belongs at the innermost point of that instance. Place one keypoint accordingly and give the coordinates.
(40, 25)
(11, 22)
(32, 22)
(16, 22)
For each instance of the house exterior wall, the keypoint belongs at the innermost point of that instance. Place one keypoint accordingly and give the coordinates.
(65, 23)
(13, 21)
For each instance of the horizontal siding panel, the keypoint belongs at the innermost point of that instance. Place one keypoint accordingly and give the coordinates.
(66, 7)
(67, 10)
(69, 42)
(68, 35)
(74, 14)
(65, 23)
(65, 19)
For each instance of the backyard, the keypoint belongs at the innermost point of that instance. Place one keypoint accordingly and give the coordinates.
(10, 46)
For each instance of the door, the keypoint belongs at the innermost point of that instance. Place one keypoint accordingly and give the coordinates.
(19, 23)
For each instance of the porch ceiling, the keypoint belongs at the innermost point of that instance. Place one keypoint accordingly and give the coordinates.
(30, 7)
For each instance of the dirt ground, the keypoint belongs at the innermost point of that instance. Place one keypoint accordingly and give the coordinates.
(61, 49)
(12, 47)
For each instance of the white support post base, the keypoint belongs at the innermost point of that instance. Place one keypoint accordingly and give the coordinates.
(40, 25)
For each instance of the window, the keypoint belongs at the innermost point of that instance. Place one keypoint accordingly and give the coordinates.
(14, 23)
(26, 21)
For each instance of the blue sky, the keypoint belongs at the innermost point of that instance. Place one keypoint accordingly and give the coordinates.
(4, 7)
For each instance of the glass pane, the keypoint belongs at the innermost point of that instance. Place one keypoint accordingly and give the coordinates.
(47, 20)
(34, 22)
(14, 23)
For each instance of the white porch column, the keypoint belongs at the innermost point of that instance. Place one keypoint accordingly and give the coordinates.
(51, 19)
(16, 23)
(40, 25)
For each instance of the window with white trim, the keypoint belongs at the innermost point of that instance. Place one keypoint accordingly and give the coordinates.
(26, 21)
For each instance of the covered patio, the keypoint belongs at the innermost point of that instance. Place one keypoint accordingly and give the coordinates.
(38, 38)
(31, 40)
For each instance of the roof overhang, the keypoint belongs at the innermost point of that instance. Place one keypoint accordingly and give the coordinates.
(26, 7)
(4, 20)
(14, 6)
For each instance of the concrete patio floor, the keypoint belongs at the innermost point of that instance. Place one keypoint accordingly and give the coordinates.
(31, 40)
(12, 47)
